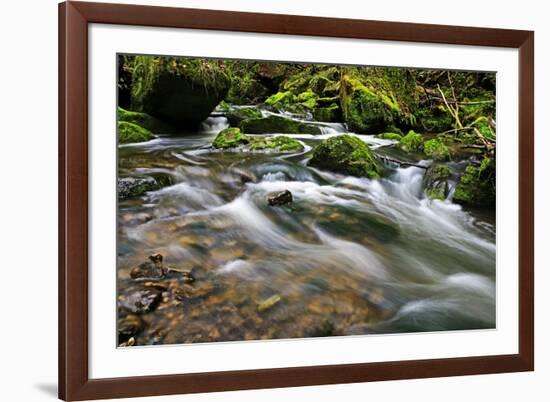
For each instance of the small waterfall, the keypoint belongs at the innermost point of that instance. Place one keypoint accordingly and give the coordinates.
(214, 124)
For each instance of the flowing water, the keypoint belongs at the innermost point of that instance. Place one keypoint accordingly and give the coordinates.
(348, 256)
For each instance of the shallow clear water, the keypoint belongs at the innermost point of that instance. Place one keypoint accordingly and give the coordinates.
(347, 256)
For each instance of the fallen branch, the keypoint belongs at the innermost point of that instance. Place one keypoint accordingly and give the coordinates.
(402, 163)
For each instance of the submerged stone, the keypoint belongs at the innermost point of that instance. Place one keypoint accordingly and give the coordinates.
(140, 301)
(279, 143)
(346, 154)
(150, 269)
(280, 198)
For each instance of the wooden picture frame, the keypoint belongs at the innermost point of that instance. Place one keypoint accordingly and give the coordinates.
(74, 381)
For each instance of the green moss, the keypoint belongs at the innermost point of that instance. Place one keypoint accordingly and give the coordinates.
(281, 100)
(477, 185)
(434, 120)
(436, 181)
(233, 138)
(346, 154)
(236, 116)
(412, 142)
(144, 120)
(437, 150)
(130, 132)
(230, 138)
(277, 124)
(307, 99)
(364, 110)
(280, 143)
(390, 136)
(332, 113)
(178, 90)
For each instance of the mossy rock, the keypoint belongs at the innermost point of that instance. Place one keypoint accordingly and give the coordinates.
(277, 124)
(278, 143)
(234, 138)
(236, 116)
(144, 120)
(130, 132)
(281, 100)
(180, 91)
(437, 150)
(390, 136)
(434, 119)
(231, 137)
(346, 154)
(412, 142)
(328, 114)
(436, 181)
(477, 185)
(364, 110)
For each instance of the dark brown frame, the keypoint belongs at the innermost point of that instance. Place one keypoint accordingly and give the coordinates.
(74, 17)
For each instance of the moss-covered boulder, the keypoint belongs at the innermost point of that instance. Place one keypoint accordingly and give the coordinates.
(278, 143)
(277, 124)
(437, 150)
(364, 110)
(477, 185)
(331, 113)
(144, 120)
(390, 136)
(412, 142)
(436, 181)
(231, 137)
(237, 115)
(130, 132)
(178, 90)
(346, 154)
(234, 138)
(434, 119)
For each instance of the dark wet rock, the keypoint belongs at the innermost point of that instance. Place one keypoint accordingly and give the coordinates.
(280, 198)
(129, 326)
(346, 154)
(277, 124)
(436, 181)
(152, 268)
(178, 90)
(140, 301)
(128, 187)
(477, 185)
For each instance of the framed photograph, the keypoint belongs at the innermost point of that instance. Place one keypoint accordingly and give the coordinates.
(260, 200)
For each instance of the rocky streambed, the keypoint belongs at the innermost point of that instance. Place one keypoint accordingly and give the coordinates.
(262, 236)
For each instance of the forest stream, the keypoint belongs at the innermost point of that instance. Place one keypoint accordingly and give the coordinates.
(348, 255)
